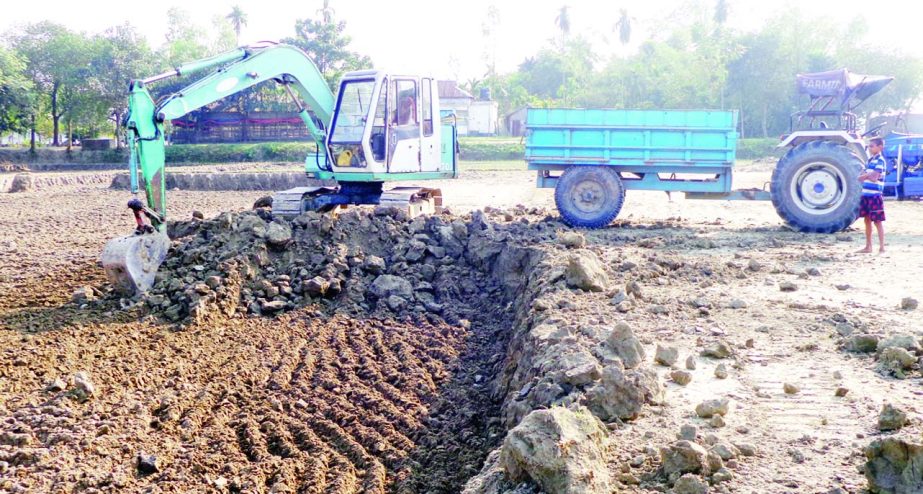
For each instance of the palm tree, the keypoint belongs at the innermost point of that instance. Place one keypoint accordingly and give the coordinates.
(563, 22)
(326, 12)
(623, 26)
(721, 12)
(238, 20)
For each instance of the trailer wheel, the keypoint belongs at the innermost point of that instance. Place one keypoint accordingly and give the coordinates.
(589, 196)
(815, 187)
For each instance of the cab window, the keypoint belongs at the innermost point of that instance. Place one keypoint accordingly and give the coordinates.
(427, 104)
(405, 109)
(353, 107)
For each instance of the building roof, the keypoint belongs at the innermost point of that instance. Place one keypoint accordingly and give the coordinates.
(450, 89)
(521, 108)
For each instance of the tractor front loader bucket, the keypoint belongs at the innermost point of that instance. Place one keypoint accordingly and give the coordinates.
(131, 262)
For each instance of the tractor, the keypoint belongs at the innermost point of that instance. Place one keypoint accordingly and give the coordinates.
(814, 186)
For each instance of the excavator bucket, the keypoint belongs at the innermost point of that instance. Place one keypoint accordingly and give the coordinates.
(131, 262)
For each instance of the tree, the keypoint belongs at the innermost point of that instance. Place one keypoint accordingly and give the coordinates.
(326, 12)
(121, 54)
(327, 44)
(721, 12)
(238, 20)
(184, 39)
(489, 32)
(563, 23)
(16, 96)
(623, 26)
(56, 61)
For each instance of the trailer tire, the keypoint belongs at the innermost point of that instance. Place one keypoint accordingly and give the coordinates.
(815, 187)
(589, 196)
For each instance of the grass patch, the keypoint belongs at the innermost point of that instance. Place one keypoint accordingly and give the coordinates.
(754, 149)
(492, 166)
(491, 148)
(493, 151)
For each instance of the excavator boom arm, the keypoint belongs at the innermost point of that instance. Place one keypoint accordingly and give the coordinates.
(238, 70)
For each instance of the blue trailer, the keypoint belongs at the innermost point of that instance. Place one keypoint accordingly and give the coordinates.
(591, 157)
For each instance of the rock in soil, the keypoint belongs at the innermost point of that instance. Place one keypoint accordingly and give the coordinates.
(710, 408)
(388, 285)
(893, 465)
(791, 389)
(683, 457)
(84, 388)
(895, 360)
(719, 350)
(560, 450)
(906, 341)
(83, 295)
(620, 393)
(862, 343)
(721, 371)
(147, 464)
(623, 342)
(688, 432)
(690, 484)
(57, 385)
(681, 377)
(725, 451)
(909, 303)
(586, 272)
(891, 418)
(666, 355)
(572, 240)
(746, 449)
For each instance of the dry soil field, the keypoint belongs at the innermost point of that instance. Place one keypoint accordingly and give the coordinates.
(370, 353)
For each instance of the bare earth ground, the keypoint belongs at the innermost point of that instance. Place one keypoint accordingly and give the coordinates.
(808, 442)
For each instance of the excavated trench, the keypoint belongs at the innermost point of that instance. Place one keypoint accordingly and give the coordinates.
(360, 353)
(388, 376)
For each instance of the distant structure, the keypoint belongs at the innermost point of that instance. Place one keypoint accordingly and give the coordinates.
(516, 122)
(476, 117)
(215, 127)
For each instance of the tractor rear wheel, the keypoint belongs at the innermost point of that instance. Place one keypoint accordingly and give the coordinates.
(589, 196)
(815, 187)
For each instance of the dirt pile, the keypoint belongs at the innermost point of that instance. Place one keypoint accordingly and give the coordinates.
(268, 181)
(6, 167)
(31, 182)
(360, 262)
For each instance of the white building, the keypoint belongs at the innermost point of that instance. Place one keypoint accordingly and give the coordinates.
(475, 117)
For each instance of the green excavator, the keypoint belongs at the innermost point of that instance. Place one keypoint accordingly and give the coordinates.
(378, 128)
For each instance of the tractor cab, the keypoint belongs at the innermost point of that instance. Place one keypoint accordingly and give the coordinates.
(386, 123)
(834, 96)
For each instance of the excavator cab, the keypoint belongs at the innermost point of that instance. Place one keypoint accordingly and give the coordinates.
(384, 123)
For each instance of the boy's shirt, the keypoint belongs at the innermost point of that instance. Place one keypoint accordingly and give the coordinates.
(874, 187)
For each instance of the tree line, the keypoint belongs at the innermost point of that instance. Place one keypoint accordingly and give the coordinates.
(696, 61)
(59, 82)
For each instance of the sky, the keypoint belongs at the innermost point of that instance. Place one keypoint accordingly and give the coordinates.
(446, 39)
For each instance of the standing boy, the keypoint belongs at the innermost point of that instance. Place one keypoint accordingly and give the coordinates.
(871, 206)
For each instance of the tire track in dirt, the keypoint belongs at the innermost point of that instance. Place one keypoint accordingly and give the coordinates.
(296, 403)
